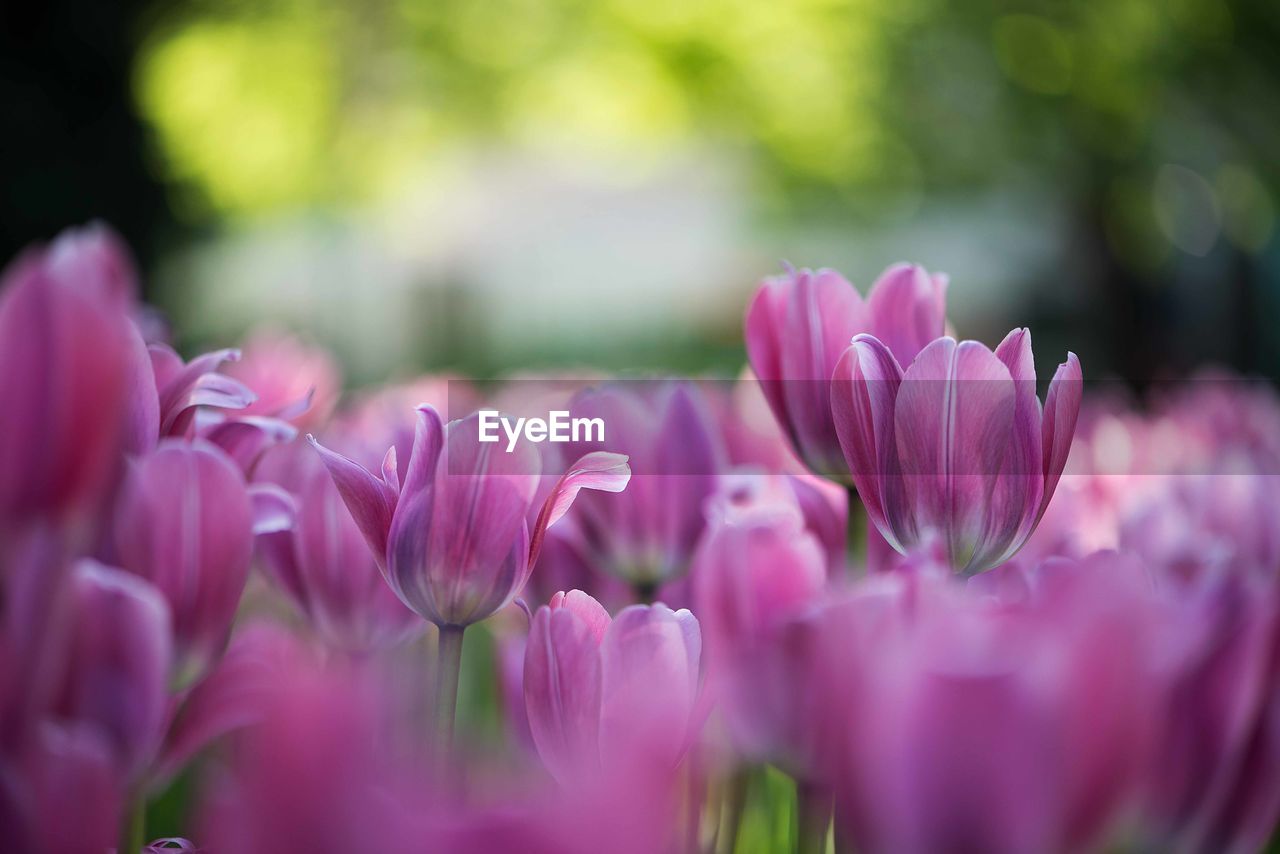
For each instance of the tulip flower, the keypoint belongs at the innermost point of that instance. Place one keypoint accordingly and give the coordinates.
(322, 563)
(292, 380)
(117, 666)
(64, 357)
(798, 326)
(968, 722)
(756, 569)
(185, 523)
(454, 542)
(647, 535)
(610, 696)
(956, 446)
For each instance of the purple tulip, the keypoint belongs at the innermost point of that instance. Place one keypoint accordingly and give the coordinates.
(955, 447)
(117, 663)
(454, 540)
(798, 326)
(323, 564)
(184, 522)
(610, 696)
(647, 535)
(756, 569)
(966, 722)
(64, 356)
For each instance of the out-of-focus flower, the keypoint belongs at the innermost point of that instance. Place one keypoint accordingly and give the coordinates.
(610, 696)
(967, 721)
(956, 446)
(647, 535)
(184, 522)
(293, 380)
(756, 569)
(116, 667)
(800, 323)
(64, 369)
(322, 562)
(455, 539)
(321, 770)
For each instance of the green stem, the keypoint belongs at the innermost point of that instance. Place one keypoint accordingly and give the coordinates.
(448, 667)
(735, 804)
(813, 817)
(133, 829)
(855, 537)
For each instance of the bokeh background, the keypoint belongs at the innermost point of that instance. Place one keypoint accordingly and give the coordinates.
(501, 185)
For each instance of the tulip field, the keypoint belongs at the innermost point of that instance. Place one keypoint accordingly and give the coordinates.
(886, 590)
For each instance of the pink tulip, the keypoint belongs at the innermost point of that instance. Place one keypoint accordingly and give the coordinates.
(116, 672)
(610, 696)
(64, 368)
(756, 569)
(955, 447)
(323, 564)
(184, 522)
(967, 722)
(454, 540)
(798, 326)
(647, 535)
(292, 380)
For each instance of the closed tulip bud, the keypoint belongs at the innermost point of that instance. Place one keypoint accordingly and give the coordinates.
(64, 368)
(756, 569)
(800, 323)
(956, 446)
(610, 696)
(184, 522)
(454, 541)
(117, 667)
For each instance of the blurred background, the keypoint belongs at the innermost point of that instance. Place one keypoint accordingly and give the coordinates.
(501, 185)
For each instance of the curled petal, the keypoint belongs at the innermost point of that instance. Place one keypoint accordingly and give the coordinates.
(599, 470)
(1061, 409)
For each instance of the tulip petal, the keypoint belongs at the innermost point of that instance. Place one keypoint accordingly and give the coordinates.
(906, 310)
(372, 502)
(274, 510)
(598, 470)
(864, 392)
(1061, 409)
(952, 421)
(562, 681)
(1015, 501)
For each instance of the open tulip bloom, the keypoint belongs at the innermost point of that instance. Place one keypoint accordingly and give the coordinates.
(955, 448)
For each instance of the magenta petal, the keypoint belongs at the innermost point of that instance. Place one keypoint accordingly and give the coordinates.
(906, 310)
(273, 509)
(184, 523)
(372, 502)
(118, 672)
(1018, 490)
(953, 417)
(232, 696)
(562, 692)
(864, 392)
(246, 438)
(1061, 409)
(650, 674)
(587, 608)
(599, 470)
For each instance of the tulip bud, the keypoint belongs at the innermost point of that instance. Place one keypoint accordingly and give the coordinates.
(184, 523)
